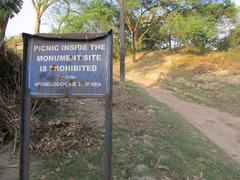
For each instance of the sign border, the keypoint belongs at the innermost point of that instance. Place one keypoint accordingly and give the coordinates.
(83, 37)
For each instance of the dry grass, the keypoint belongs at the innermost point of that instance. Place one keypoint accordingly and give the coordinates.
(212, 79)
(10, 93)
(10, 75)
(154, 65)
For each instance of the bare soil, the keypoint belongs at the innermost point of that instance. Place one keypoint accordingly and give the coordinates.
(8, 166)
(220, 127)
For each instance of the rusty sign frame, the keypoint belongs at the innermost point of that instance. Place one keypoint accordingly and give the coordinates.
(102, 75)
(24, 163)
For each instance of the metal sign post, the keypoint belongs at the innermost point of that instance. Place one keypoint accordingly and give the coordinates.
(108, 127)
(25, 122)
(108, 137)
(66, 65)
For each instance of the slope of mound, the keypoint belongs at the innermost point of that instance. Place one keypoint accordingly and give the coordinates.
(212, 79)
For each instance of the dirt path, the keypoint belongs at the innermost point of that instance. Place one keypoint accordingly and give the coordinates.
(8, 167)
(220, 127)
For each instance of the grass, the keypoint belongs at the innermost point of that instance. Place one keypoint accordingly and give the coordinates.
(170, 147)
(187, 152)
(212, 79)
(211, 91)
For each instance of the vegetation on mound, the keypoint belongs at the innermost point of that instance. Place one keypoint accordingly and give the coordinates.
(211, 79)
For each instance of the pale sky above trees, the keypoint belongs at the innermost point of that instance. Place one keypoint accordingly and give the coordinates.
(24, 21)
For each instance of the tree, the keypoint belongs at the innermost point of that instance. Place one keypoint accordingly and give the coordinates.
(74, 16)
(40, 6)
(7, 10)
(91, 16)
(196, 24)
(189, 30)
(139, 20)
(183, 22)
(122, 41)
(143, 15)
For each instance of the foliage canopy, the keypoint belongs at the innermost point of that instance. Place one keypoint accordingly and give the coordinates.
(13, 6)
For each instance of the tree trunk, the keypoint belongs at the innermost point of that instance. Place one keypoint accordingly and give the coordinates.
(4, 16)
(170, 42)
(37, 23)
(133, 46)
(122, 42)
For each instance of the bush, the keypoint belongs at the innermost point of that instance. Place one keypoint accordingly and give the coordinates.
(10, 92)
(234, 37)
(222, 44)
(10, 79)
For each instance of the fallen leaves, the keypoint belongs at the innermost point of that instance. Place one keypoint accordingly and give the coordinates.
(60, 136)
(132, 112)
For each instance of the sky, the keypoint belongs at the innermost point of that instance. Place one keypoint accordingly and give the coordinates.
(24, 21)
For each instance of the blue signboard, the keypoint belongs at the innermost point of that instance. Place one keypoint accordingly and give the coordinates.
(60, 67)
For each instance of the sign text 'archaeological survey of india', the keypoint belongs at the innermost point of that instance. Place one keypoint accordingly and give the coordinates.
(69, 66)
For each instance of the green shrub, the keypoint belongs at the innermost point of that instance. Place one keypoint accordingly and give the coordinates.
(234, 37)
